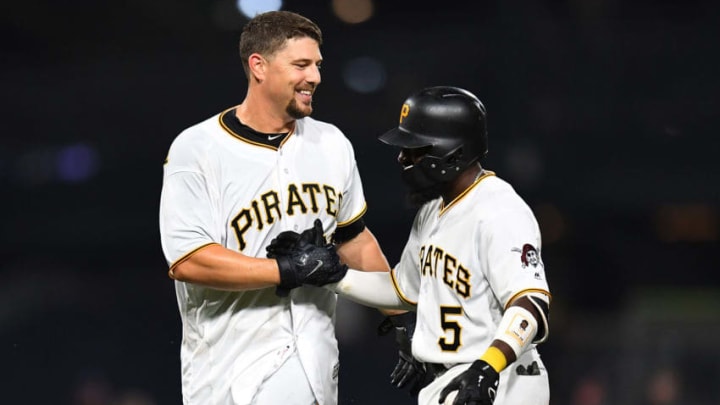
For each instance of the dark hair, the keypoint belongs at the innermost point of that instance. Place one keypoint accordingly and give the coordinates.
(266, 33)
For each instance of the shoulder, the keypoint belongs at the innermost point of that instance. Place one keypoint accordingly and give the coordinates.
(320, 130)
(198, 133)
(501, 198)
(192, 144)
(312, 124)
(494, 187)
(497, 184)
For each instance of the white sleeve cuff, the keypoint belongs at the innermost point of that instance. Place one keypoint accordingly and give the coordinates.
(373, 289)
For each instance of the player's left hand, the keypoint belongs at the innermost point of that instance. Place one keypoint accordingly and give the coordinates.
(310, 260)
(476, 385)
(284, 243)
(408, 371)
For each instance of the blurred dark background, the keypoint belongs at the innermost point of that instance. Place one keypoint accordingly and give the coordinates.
(602, 114)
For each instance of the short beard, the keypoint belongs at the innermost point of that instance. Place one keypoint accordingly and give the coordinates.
(418, 198)
(295, 112)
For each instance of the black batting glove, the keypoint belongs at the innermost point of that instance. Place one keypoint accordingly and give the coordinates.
(282, 244)
(476, 386)
(408, 371)
(310, 261)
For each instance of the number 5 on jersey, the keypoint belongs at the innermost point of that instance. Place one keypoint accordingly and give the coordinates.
(451, 326)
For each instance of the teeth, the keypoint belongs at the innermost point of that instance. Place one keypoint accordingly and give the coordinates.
(306, 92)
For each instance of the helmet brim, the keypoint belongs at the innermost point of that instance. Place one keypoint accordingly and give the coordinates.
(404, 139)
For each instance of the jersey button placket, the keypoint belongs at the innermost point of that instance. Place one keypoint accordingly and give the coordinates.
(283, 177)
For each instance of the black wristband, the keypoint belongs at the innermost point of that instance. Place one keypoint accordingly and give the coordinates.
(288, 278)
(483, 367)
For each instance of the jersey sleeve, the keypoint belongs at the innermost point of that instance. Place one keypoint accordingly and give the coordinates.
(513, 263)
(186, 201)
(353, 205)
(406, 274)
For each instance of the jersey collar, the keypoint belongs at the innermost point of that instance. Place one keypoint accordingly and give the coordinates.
(444, 208)
(232, 125)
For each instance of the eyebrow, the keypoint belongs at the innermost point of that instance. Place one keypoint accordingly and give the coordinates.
(306, 60)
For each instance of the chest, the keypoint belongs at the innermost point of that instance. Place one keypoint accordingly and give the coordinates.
(257, 190)
(270, 183)
(448, 257)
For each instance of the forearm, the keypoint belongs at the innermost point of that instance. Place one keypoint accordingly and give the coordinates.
(363, 253)
(522, 324)
(224, 269)
(373, 289)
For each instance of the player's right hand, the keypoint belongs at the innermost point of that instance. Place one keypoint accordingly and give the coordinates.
(408, 371)
(309, 261)
(476, 386)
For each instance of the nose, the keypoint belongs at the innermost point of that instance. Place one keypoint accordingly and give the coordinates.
(404, 159)
(313, 75)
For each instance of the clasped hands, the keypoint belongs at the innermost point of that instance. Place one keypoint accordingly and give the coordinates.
(305, 258)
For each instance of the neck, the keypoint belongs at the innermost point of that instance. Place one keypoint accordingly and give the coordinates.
(462, 182)
(262, 117)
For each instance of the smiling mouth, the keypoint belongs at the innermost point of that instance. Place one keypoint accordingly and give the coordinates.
(305, 95)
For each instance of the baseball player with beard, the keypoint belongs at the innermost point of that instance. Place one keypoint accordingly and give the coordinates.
(257, 329)
(471, 268)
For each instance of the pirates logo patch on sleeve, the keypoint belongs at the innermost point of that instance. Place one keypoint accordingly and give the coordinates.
(529, 255)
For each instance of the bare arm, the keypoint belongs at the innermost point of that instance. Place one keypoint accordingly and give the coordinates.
(363, 253)
(224, 269)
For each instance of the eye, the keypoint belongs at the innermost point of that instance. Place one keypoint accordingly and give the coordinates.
(416, 154)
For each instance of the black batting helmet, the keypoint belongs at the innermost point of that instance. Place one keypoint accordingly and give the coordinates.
(449, 120)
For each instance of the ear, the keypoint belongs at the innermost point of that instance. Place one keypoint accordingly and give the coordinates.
(257, 65)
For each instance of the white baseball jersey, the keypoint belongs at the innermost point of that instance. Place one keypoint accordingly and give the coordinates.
(222, 188)
(463, 264)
